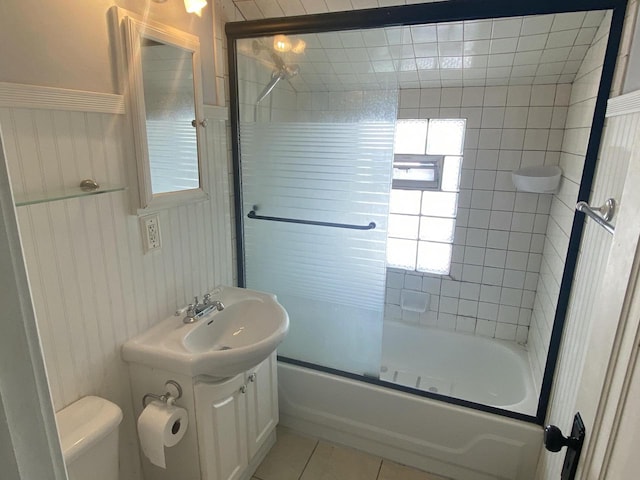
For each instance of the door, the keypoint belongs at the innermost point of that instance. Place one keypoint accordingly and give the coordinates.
(601, 361)
(221, 415)
(262, 403)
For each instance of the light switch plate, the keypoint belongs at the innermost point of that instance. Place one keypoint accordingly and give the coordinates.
(150, 227)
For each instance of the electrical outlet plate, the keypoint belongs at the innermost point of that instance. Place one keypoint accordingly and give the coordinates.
(150, 228)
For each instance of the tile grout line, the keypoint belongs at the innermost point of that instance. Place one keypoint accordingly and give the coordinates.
(309, 459)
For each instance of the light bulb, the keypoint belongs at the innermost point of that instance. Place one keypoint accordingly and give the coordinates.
(281, 43)
(195, 6)
(299, 47)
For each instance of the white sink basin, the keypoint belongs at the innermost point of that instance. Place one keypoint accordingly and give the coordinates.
(221, 344)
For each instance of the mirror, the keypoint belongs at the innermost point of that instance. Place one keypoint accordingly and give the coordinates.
(166, 104)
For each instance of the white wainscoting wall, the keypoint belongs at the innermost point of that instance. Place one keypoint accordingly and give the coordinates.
(92, 286)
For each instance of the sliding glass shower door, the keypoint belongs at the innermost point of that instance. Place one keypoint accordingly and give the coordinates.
(315, 186)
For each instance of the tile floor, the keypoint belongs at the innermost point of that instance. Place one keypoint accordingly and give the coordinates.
(297, 457)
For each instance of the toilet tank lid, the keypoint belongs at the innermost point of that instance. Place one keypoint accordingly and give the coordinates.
(85, 422)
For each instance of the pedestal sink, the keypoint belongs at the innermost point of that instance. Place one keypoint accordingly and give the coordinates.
(221, 344)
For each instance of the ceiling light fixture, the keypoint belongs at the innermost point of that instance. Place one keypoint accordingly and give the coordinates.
(195, 6)
(299, 47)
(281, 43)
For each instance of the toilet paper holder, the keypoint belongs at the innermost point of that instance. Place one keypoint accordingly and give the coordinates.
(173, 391)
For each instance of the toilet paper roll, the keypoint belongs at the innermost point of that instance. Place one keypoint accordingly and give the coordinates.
(161, 425)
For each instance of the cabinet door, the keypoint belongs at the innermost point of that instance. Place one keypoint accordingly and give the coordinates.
(221, 417)
(262, 402)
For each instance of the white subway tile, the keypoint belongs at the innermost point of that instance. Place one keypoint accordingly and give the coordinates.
(393, 296)
(481, 199)
(536, 139)
(540, 117)
(540, 223)
(428, 319)
(495, 258)
(508, 314)
(537, 243)
(526, 202)
(413, 282)
(488, 311)
(446, 321)
(513, 279)
(484, 180)
(487, 159)
(505, 331)
(495, 97)
(531, 281)
(522, 334)
(509, 160)
(392, 312)
(450, 288)
(468, 308)
(517, 260)
(448, 305)
(474, 256)
(473, 116)
(533, 265)
(493, 117)
(516, 117)
(485, 328)
(524, 317)
(410, 98)
(500, 220)
(465, 324)
(476, 237)
(489, 138)
(510, 296)
(473, 96)
(470, 291)
(451, 97)
(528, 298)
(395, 279)
(503, 201)
(522, 222)
(498, 239)
(504, 181)
(431, 285)
(519, 242)
(492, 276)
(477, 218)
(531, 158)
(490, 294)
(472, 273)
(543, 95)
(512, 139)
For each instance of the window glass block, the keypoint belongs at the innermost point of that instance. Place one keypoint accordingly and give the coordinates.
(405, 201)
(403, 226)
(401, 253)
(437, 229)
(434, 257)
(439, 204)
(411, 136)
(451, 174)
(446, 137)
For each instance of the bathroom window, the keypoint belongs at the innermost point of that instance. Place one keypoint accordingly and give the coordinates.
(424, 195)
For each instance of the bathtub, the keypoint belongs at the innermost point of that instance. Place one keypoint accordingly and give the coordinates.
(454, 441)
(478, 369)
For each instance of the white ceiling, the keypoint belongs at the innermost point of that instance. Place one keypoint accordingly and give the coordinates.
(541, 49)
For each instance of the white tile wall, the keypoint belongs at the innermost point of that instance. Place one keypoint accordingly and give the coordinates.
(499, 232)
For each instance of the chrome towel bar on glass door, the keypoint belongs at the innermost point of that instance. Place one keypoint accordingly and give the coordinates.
(253, 214)
(607, 211)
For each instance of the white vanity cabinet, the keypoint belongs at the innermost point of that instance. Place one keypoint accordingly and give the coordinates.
(236, 422)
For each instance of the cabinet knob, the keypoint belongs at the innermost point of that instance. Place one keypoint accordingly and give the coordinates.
(252, 377)
(243, 389)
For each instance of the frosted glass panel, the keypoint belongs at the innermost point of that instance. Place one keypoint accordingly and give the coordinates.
(330, 280)
(437, 229)
(439, 204)
(402, 253)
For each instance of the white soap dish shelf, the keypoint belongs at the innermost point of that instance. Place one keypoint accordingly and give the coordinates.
(543, 179)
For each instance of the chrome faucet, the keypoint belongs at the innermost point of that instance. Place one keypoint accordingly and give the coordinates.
(197, 310)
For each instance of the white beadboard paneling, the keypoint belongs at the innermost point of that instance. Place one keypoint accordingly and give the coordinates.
(92, 286)
(14, 95)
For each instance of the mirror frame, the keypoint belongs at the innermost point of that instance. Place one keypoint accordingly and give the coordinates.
(134, 30)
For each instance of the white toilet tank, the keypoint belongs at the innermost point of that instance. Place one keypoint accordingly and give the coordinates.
(88, 432)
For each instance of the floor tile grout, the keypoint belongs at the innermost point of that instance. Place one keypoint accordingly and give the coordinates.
(309, 459)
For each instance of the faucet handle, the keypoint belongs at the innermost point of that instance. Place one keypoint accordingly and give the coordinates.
(206, 300)
(195, 301)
